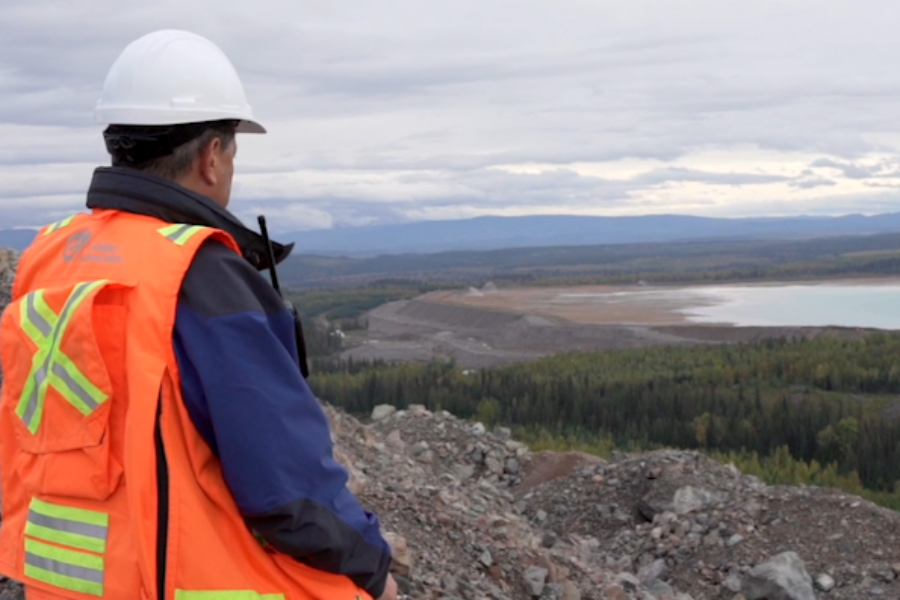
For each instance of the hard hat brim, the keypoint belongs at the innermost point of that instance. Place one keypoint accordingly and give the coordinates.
(250, 127)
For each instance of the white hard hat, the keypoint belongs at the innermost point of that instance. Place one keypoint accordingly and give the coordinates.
(173, 77)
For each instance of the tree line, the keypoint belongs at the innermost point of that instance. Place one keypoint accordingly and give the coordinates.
(831, 400)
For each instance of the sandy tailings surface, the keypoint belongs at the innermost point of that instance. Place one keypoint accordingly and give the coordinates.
(621, 305)
(488, 327)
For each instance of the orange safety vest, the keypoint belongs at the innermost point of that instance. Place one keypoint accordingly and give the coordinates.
(102, 470)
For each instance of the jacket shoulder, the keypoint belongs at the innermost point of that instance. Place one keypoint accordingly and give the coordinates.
(220, 282)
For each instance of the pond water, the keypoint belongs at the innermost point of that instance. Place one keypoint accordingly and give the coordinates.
(843, 304)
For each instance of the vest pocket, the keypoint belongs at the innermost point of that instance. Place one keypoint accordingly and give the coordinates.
(70, 388)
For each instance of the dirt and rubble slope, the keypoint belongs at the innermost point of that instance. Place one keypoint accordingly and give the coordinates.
(8, 261)
(482, 517)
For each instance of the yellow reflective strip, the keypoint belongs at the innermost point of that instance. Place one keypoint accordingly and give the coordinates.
(38, 315)
(180, 233)
(67, 569)
(66, 391)
(185, 237)
(69, 557)
(30, 329)
(82, 515)
(53, 227)
(170, 229)
(225, 595)
(44, 347)
(67, 525)
(63, 581)
(81, 391)
(65, 538)
(30, 406)
(34, 421)
(44, 309)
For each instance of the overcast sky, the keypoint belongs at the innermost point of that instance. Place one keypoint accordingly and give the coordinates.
(394, 110)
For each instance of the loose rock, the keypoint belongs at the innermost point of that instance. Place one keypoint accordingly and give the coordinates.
(535, 578)
(382, 411)
(824, 583)
(783, 577)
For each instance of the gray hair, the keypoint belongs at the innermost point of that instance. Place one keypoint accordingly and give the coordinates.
(177, 164)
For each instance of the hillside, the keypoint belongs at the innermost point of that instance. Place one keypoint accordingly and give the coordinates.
(609, 263)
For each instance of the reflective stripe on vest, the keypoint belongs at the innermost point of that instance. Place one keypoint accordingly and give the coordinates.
(180, 233)
(50, 366)
(63, 568)
(75, 527)
(52, 227)
(67, 526)
(224, 595)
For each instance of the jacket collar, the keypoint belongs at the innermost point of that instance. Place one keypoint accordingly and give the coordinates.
(133, 191)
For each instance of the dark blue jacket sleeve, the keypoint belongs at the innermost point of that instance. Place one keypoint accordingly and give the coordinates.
(236, 348)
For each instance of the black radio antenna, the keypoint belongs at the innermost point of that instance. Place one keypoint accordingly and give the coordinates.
(301, 339)
(270, 252)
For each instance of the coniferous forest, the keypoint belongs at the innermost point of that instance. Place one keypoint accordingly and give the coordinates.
(829, 405)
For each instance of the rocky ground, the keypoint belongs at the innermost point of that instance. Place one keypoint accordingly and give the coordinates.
(473, 514)
(8, 261)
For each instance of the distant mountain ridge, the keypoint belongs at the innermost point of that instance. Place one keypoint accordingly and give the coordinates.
(17, 239)
(491, 233)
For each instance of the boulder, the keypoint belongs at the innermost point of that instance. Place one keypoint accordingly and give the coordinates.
(382, 411)
(534, 580)
(825, 582)
(783, 577)
(401, 557)
(688, 499)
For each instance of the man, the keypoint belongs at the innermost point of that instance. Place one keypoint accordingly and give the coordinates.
(157, 437)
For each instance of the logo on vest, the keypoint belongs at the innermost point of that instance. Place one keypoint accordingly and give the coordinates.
(75, 244)
(105, 253)
(77, 247)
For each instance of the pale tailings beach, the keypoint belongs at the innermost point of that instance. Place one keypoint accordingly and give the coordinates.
(489, 326)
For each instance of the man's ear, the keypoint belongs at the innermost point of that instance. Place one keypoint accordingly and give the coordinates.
(209, 161)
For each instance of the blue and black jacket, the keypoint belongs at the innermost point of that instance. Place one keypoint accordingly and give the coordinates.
(237, 350)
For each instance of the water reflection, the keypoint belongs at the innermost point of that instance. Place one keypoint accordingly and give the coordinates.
(813, 305)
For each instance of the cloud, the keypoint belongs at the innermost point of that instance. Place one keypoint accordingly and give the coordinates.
(681, 174)
(888, 167)
(848, 169)
(808, 183)
(397, 110)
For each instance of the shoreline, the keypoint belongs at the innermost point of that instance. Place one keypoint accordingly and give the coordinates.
(630, 305)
